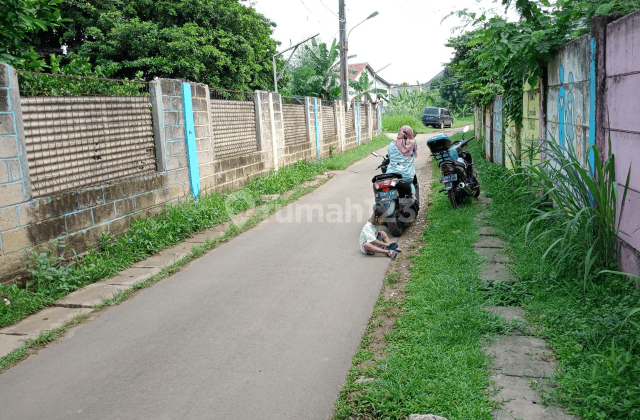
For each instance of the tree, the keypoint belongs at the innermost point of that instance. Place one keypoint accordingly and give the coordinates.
(498, 55)
(316, 72)
(450, 89)
(363, 88)
(219, 42)
(20, 20)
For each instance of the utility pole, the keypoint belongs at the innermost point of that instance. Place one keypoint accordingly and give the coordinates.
(344, 46)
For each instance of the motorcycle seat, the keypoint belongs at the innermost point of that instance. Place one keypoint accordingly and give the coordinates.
(380, 177)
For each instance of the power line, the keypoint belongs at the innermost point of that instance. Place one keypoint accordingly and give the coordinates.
(311, 12)
(428, 5)
(414, 8)
(328, 8)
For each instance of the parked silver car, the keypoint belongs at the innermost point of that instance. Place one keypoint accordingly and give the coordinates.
(437, 117)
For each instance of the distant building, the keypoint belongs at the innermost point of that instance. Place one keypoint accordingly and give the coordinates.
(397, 89)
(356, 70)
(421, 87)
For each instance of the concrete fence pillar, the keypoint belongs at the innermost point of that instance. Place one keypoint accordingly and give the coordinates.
(204, 144)
(264, 129)
(190, 139)
(319, 128)
(310, 109)
(277, 126)
(169, 127)
(339, 122)
(356, 121)
(15, 184)
(598, 115)
(369, 121)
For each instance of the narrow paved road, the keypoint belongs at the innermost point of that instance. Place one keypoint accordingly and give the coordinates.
(264, 326)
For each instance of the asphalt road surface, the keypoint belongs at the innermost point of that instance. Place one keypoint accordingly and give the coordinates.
(263, 326)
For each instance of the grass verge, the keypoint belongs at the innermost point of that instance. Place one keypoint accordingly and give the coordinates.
(53, 278)
(434, 360)
(393, 122)
(594, 331)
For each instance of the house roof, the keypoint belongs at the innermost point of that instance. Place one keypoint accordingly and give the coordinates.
(358, 70)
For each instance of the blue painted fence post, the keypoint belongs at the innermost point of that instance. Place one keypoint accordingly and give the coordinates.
(315, 116)
(358, 124)
(190, 138)
(592, 102)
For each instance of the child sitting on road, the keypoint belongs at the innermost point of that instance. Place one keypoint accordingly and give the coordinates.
(372, 240)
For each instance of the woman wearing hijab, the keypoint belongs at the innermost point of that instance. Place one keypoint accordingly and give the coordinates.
(402, 153)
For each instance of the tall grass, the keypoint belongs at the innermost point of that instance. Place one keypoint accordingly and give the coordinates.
(392, 122)
(589, 318)
(579, 207)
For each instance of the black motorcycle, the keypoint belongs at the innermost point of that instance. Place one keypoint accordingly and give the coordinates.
(394, 194)
(456, 166)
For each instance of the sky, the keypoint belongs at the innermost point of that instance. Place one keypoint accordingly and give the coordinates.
(407, 34)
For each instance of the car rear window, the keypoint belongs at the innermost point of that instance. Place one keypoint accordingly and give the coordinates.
(430, 111)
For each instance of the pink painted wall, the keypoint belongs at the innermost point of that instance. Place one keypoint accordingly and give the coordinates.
(623, 116)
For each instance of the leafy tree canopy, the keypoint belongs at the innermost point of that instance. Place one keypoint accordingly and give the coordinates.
(219, 42)
(450, 87)
(364, 89)
(497, 55)
(19, 21)
(315, 71)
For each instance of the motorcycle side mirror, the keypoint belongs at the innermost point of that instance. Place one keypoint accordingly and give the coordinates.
(375, 154)
(466, 128)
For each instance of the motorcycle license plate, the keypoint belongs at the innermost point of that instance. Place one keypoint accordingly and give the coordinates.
(386, 195)
(449, 178)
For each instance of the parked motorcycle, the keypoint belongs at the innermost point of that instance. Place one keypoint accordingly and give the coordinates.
(456, 166)
(394, 194)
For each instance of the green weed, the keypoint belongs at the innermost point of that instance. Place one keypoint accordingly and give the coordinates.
(593, 325)
(435, 362)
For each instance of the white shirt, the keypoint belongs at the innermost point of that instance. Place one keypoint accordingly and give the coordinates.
(369, 233)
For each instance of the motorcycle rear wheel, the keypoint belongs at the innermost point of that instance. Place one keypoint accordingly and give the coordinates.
(396, 228)
(454, 198)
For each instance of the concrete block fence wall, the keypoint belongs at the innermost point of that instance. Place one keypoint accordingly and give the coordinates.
(587, 96)
(198, 145)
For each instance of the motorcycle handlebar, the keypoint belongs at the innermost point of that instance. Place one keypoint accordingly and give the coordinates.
(465, 142)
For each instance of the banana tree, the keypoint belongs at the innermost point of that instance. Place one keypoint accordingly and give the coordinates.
(363, 89)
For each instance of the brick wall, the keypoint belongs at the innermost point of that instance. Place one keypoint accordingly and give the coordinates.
(80, 216)
(331, 139)
(621, 109)
(77, 142)
(588, 97)
(234, 127)
(231, 143)
(351, 137)
(295, 127)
